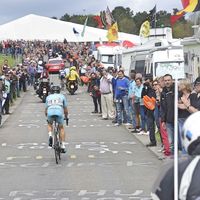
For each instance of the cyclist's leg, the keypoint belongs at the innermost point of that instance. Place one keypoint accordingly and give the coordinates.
(50, 129)
(60, 121)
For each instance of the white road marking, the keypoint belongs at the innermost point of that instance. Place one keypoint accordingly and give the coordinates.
(73, 156)
(3, 144)
(38, 157)
(17, 157)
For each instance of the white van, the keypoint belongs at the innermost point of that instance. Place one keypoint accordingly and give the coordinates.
(109, 56)
(168, 60)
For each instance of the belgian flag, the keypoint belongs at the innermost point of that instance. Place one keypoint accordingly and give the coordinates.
(193, 6)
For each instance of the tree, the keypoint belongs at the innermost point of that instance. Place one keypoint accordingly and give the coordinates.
(65, 17)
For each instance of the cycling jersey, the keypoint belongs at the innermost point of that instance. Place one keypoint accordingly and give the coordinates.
(55, 104)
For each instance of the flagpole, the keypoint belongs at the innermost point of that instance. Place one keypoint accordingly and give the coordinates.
(155, 21)
(176, 140)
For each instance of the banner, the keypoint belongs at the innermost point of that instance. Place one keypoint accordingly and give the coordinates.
(99, 21)
(112, 34)
(109, 18)
(145, 29)
(83, 32)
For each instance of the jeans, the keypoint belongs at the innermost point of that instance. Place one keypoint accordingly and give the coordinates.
(170, 132)
(151, 126)
(180, 129)
(122, 104)
(143, 117)
(131, 113)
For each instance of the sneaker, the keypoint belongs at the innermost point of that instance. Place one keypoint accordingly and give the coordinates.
(50, 141)
(145, 133)
(151, 145)
(127, 124)
(140, 133)
(134, 130)
(138, 129)
(117, 124)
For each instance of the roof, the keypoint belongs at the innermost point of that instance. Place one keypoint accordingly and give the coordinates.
(32, 27)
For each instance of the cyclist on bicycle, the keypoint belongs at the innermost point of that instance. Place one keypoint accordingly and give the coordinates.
(188, 167)
(56, 105)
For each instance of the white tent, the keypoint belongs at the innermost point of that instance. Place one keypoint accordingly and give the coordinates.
(31, 27)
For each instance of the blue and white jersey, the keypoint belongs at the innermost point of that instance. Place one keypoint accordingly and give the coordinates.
(55, 104)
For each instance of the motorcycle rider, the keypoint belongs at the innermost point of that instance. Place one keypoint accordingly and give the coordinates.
(43, 79)
(73, 76)
(189, 167)
(56, 105)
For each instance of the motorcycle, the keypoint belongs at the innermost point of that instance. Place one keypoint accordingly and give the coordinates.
(72, 86)
(36, 85)
(44, 89)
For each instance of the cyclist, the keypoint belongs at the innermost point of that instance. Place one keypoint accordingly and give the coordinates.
(56, 105)
(189, 167)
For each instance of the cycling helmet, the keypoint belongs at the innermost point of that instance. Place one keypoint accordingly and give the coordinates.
(72, 68)
(191, 132)
(55, 89)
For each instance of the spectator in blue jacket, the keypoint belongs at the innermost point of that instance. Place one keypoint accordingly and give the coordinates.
(121, 97)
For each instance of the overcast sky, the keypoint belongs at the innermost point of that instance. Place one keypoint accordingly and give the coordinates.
(13, 9)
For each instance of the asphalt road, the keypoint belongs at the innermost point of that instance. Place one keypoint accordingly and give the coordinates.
(102, 161)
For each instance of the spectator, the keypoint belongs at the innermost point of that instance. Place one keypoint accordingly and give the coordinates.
(185, 90)
(121, 97)
(106, 95)
(95, 92)
(167, 103)
(6, 106)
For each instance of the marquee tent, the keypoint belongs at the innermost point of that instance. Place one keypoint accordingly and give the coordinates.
(31, 27)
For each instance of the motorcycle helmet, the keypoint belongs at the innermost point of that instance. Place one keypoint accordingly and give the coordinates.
(40, 62)
(72, 68)
(191, 132)
(55, 89)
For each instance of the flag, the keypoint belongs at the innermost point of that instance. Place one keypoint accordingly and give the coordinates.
(83, 31)
(109, 17)
(185, 3)
(174, 18)
(193, 6)
(75, 31)
(145, 29)
(99, 21)
(152, 17)
(102, 15)
(113, 32)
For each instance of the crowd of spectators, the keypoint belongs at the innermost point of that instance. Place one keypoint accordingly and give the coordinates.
(144, 105)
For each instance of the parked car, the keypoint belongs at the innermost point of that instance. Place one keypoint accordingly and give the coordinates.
(54, 65)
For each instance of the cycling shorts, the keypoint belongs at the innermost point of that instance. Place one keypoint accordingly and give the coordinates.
(59, 119)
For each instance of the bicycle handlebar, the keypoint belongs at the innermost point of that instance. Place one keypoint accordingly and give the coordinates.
(67, 121)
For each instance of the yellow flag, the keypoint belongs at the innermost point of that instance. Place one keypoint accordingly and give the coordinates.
(113, 32)
(145, 29)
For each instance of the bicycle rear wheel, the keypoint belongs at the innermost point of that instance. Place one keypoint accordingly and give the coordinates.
(57, 148)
